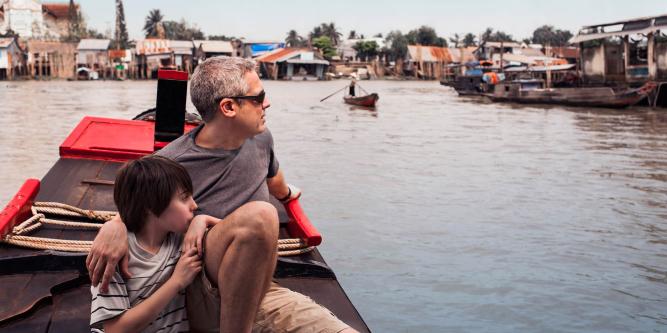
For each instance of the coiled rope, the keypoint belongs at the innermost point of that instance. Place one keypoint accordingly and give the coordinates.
(18, 236)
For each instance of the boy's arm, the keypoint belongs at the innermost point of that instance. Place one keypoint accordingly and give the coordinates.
(139, 317)
(194, 236)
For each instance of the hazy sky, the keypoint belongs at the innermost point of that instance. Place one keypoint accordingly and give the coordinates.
(272, 19)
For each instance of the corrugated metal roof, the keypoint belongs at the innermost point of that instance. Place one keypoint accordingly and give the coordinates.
(653, 24)
(505, 44)
(530, 52)
(59, 10)
(429, 53)
(305, 56)
(564, 52)
(215, 46)
(468, 55)
(181, 46)
(93, 44)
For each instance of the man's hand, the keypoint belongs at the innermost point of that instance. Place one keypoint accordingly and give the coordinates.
(294, 193)
(109, 247)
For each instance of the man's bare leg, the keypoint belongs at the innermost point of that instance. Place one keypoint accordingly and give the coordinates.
(240, 255)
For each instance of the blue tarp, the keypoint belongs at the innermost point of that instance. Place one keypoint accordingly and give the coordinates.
(258, 49)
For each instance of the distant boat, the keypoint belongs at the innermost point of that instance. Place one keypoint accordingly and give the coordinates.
(366, 101)
(533, 91)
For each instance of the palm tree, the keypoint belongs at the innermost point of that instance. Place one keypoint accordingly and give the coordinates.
(456, 39)
(293, 39)
(153, 23)
(330, 30)
(317, 32)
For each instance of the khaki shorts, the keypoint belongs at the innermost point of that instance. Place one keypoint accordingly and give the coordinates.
(281, 311)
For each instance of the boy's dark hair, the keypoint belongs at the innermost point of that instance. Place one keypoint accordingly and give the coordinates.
(148, 185)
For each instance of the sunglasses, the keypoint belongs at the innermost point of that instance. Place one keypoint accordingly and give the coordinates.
(259, 98)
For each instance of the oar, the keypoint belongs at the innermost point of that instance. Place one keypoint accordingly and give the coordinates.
(362, 89)
(337, 91)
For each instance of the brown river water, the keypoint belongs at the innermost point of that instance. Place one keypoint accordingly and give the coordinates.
(439, 213)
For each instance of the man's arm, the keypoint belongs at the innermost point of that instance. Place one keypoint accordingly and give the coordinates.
(109, 247)
(279, 188)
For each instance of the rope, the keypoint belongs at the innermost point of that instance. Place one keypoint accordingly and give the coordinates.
(286, 246)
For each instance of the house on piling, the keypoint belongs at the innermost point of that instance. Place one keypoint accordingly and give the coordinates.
(92, 56)
(51, 59)
(182, 54)
(629, 52)
(292, 64)
(428, 62)
(204, 49)
(12, 59)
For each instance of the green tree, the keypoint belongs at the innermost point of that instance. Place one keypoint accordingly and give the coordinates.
(396, 45)
(324, 44)
(181, 31)
(498, 36)
(74, 30)
(366, 50)
(330, 30)
(456, 39)
(152, 23)
(121, 39)
(425, 35)
(547, 34)
(317, 32)
(293, 39)
(469, 40)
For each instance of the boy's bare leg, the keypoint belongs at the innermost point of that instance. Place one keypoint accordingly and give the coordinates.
(241, 257)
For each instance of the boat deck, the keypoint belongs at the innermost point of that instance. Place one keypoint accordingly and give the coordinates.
(45, 291)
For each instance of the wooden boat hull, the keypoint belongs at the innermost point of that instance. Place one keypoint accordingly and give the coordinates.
(586, 97)
(366, 101)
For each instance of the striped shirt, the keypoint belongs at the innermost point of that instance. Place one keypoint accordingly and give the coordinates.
(149, 272)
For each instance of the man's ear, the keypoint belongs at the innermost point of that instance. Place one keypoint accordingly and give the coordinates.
(227, 107)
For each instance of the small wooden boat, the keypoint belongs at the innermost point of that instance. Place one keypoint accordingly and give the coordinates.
(366, 101)
(534, 92)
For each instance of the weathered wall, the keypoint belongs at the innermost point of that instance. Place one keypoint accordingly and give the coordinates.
(54, 59)
(661, 60)
(593, 64)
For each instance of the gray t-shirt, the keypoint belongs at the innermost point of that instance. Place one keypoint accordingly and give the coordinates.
(224, 180)
(149, 273)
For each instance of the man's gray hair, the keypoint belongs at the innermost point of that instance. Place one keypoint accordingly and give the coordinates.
(216, 78)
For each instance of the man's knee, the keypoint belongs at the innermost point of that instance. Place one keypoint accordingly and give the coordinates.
(259, 222)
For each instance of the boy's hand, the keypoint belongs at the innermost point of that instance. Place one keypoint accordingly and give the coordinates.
(195, 235)
(188, 266)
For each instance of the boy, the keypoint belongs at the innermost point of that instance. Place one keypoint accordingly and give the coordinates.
(154, 199)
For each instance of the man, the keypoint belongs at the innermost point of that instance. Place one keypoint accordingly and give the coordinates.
(234, 170)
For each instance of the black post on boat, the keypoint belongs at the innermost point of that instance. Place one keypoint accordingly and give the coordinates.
(172, 91)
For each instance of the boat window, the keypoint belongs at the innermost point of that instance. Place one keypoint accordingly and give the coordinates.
(660, 21)
(531, 85)
(507, 88)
